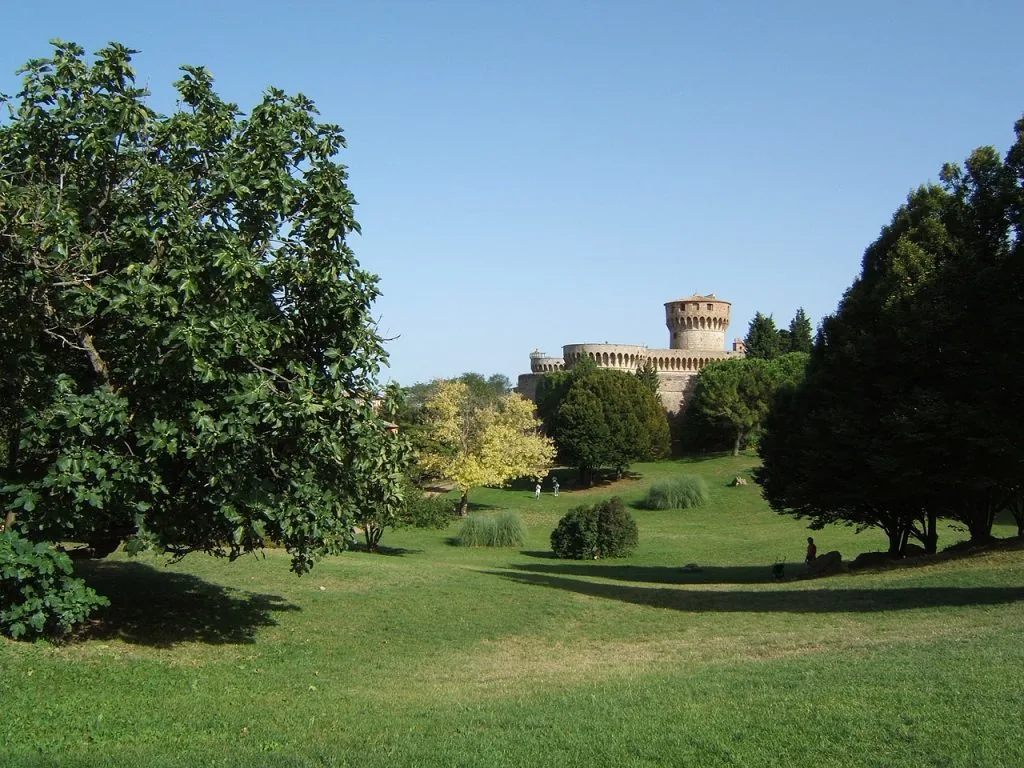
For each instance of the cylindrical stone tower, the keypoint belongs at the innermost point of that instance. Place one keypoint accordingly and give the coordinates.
(697, 323)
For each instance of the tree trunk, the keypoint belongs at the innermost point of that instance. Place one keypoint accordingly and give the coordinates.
(931, 532)
(736, 445)
(464, 504)
(373, 534)
(897, 539)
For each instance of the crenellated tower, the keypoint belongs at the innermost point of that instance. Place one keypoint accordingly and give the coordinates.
(697, 327)
(697, 323)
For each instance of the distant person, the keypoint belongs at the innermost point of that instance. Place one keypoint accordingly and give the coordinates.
(536, 491)
(554, 484)
(812, 551)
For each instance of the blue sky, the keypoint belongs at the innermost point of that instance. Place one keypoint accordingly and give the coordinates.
(532, 174)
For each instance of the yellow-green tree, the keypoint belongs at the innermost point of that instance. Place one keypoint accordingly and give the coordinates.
(478, 444)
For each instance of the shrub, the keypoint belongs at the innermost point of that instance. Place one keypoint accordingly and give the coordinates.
(423, 511)
(503, 530)
(38, 595)
(588, 533)
(508, 530)
(682, 493)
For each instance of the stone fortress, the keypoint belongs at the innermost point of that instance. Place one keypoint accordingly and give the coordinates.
(696, 337)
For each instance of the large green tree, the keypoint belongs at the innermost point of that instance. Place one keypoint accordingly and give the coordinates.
(190, 360)
(738, 393)
(800, 337)
(609, 419)
(762, 340)
(907, 415)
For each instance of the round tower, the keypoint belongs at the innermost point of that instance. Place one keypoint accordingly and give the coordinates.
(697, 323)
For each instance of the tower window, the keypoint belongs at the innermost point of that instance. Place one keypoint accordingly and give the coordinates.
(711, 307)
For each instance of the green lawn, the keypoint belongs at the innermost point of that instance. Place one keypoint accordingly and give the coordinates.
(440, 655)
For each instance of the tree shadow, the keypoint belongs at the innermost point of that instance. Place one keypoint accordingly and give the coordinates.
(777, 601)
(159, 608)
(569, 480)
(653, 574)
(360, 546)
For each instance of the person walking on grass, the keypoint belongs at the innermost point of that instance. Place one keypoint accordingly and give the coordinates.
(554, 484)
(812, 551)
(536, 491)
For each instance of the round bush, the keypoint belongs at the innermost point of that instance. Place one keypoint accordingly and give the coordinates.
(38, 595)
(601, 531)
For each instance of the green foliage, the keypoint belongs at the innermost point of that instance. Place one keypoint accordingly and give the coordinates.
(609, 419)
(38, 595)
(502, 530)
(762, 339)
(604, 530)
(190, 356)
(800, 336)
(423, 511)
(682, 493)
(905, 416)
(648, 376)
(409, 507)
(738, 393)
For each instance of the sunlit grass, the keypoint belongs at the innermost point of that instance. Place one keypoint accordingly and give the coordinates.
(442, 655)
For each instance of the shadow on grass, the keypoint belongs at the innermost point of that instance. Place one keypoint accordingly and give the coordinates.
(653, 574)
(159, 608)
(569, 480)
(777, 601)
(360, 546)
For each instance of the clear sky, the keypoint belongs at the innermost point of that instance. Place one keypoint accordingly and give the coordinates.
(544, 172)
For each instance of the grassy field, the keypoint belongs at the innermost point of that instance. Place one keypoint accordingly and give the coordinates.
(440, 655)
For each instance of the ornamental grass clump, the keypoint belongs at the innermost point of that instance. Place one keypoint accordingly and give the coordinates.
(502, 530)
(682, 493)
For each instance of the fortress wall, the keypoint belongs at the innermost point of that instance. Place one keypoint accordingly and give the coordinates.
(697, 326)
(625, 357)
(546, 364)
(526, 385)
(673, 389)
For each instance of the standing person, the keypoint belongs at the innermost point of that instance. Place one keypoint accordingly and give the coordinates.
(554, 484)
(812, 551)
(536, 491)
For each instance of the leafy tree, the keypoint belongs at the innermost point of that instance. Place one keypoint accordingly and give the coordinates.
(190, 357)
(800, 335)
(762, 340)
(785, 341)
(610, 419)
(905, 417)
(483, 445)
(552, 389)
(734, 392)
(414, 509)
(648, 376)
(411, 414)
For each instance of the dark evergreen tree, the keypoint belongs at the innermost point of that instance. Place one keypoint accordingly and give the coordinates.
(800, 335)
(762, 340)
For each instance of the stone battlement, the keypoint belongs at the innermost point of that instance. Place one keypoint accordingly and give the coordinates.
(697, 327)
